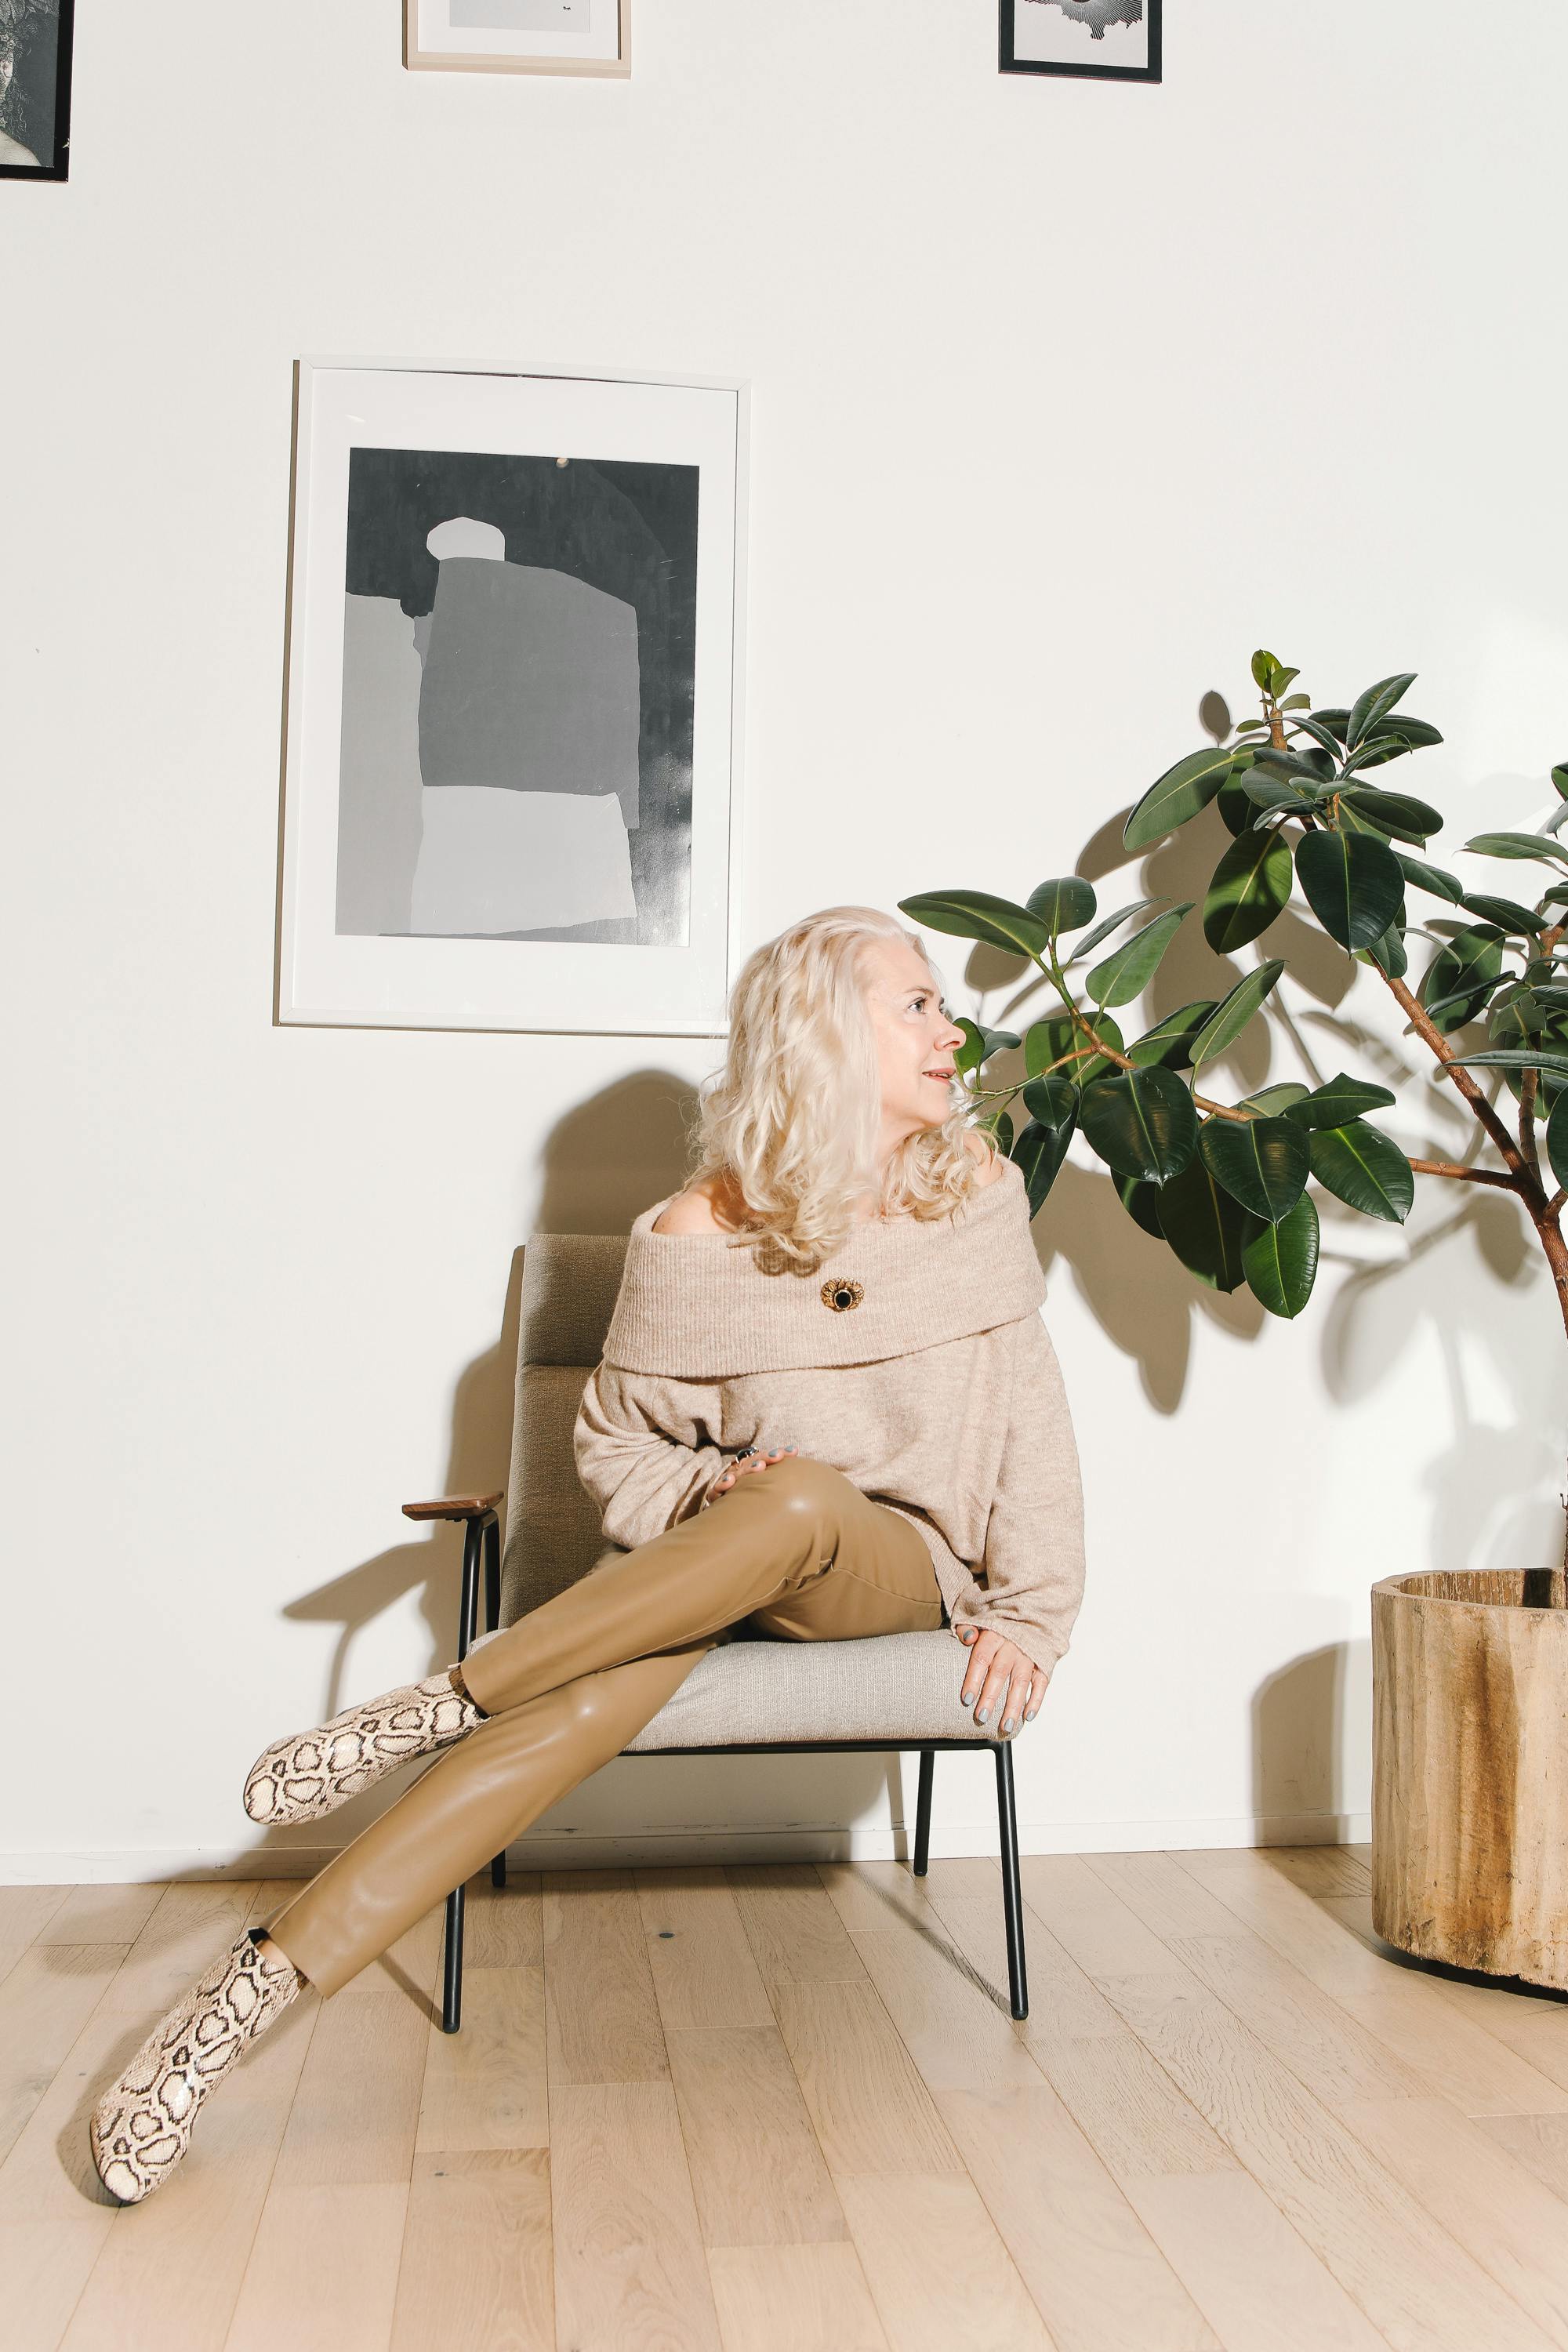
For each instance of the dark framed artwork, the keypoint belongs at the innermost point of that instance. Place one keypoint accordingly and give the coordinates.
(511, 795)
(35, 89)
(1108, 40)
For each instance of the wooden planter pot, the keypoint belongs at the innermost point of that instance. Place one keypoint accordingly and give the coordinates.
(1470, 1766)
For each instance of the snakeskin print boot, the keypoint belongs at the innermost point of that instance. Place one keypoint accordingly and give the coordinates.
(314, 1772)
(142, 2125)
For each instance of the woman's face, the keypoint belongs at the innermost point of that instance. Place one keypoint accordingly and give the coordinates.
(915, 1040)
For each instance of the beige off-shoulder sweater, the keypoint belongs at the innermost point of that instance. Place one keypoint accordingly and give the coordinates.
(916, 1363)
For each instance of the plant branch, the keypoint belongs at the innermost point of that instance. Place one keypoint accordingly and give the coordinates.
(1432, 1036)
(1465, 1175)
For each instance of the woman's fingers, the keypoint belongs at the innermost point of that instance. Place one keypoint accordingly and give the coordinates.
(1000, 1682)
(753, 1462)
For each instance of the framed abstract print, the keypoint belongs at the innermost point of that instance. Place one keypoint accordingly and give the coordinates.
(511, 791)
(1108, 40)
(35, 89)
(548, 36)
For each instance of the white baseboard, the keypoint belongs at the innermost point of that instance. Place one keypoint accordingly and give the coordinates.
(578, 1850)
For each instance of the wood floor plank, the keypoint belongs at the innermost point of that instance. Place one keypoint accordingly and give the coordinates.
(1321, 1869)
(1302, 2025)
(1259, 2284)
(1457, 2056)
(356, 2111)
(1295, 1924)
(201, 2227)
(26, 1911)
(812, 2298)
(602, 2019)
(505, 1925)
(322, 2275)
(869, 2107)
(101, 1915)
(703, 1971)
(485, 2084)
(1093, 2269)
(45, 2002)
(939, 2274)
(1539, 2142)
(1490, 2203)
(477, 2268)
(54, 2213)
(793, 1930)
(192, 1925)
(1423, 2293)
(631, 2273)
(757, 2170)
(1128, 2108)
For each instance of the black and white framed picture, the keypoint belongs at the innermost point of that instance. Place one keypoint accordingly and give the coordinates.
(511, 793)
(1110, 40)
(547, 37)
(35, 89)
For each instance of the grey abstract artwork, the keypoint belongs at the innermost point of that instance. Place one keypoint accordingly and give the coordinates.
(523, 16)
(35, 87)
(516, 741)
(1096, 37)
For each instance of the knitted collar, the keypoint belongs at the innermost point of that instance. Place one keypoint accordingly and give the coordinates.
(697, 1305)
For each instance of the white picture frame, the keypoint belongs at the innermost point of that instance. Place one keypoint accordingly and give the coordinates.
(616, 909)
(539, 37)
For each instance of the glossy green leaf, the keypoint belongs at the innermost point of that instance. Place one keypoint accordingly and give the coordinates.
(1127, 972)
(1364, 1170)
(1324, 737)
(1170, 1042)
(1557, 1138)
(1560, 778)
(1107, 1029)
(1142, 1202)
(976, 915)
(1251, 887)
(1281, 1262)
(1206, 1226)
(1388, 952)
(1506, 914)
(1002, 1128)
(1263, 668)
(1063, 904)
(1177, 795)
(1272, 1101)
(1262, 1163)
(1374, 704)
(1053, 1102)
(1432, 879)
(1352, 883)
(1514, 1057)
(1102, 931)
(1142, 1123)
(1045, 1043)
(1038, 1151)
(1461, 977)
(1342, 1099)
(1396, 812)
(1333, 722)
(1232, 1013)
(1536, 846)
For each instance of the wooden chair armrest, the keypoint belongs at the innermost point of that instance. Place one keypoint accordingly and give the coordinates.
(453, 1507)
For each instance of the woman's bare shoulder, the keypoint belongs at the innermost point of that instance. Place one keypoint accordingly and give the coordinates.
(703, 1208)
(992, 1163)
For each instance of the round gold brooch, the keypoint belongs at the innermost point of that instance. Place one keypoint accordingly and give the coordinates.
(838, 1293)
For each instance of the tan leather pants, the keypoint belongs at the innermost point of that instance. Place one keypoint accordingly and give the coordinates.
(795, 1548)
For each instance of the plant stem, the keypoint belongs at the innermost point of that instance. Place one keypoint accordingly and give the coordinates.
(1464, 1175)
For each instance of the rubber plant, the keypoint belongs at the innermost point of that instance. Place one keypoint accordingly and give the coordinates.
(1224, 1184)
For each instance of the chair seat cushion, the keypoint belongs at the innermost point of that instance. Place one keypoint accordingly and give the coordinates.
(893, 1686)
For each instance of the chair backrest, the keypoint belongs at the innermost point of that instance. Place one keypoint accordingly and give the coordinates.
(554, 1536)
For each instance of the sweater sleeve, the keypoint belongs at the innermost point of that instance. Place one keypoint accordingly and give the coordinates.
(643, 1452)
(1034, 1538)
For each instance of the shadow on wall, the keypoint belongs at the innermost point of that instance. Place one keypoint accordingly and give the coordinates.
(1310, 1721)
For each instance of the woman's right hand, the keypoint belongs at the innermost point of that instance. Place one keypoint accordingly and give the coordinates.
(738, 1469)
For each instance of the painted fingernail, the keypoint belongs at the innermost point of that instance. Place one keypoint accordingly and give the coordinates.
(966, 1698)
(980, 1714)
(1009, 1728)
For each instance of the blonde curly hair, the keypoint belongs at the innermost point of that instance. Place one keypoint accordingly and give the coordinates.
(792, 1119)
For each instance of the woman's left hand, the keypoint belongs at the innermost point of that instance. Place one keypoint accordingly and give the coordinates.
(998, 1674)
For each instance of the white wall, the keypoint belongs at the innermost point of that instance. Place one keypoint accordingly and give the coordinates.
(1066, 396)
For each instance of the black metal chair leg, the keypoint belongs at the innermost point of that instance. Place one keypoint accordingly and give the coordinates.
(1012, 1892)
(467, 1626)
(452, 1973)
(922, 1811)
(492, 1619)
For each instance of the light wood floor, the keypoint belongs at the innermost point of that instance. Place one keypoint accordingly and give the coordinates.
(783, 2109)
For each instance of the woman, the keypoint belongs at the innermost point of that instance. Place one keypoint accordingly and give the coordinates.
(930, 1477)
